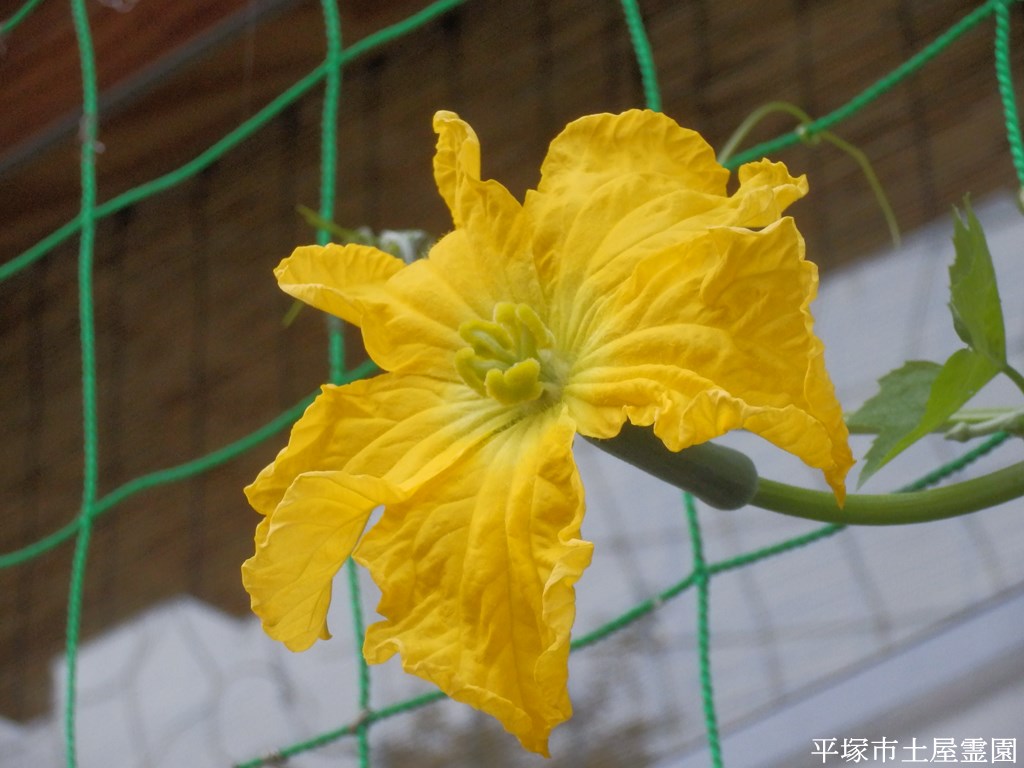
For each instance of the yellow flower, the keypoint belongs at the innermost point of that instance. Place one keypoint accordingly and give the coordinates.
(628, 285)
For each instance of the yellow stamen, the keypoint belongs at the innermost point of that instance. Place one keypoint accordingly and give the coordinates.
(510, 357)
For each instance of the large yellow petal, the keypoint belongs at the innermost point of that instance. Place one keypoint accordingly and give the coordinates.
(477, 570)
(711, 337)
(404, 429)
(617, 188)
(301, 545)
(358, 446)
(495, 262)
(456, 160)
(596, 149)
(410, 316)
(599, 170)
(404, 318)
(766, 190)
(339, 279)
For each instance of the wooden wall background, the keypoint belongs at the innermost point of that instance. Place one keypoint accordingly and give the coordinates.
(192, 350)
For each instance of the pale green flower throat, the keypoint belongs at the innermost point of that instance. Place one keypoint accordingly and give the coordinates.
(511, 357)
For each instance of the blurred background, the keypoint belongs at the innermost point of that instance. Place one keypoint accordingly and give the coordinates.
(896, 633)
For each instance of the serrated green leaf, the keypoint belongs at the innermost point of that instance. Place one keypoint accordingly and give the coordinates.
(974, 295)
(960, 378)
(902, 396)
(895, 411)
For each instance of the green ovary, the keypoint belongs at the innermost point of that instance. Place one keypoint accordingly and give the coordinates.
(509, 358)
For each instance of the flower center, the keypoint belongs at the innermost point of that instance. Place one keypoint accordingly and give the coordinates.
(511, 357)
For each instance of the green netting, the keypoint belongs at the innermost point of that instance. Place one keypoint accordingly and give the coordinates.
(329, 76)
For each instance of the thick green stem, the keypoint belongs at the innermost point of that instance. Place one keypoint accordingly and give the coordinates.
(719, 476)
(894, 508)
(727, 479)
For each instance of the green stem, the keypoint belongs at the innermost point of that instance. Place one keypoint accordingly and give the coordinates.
(725, 478)
(894, 508)
(751, 122)
(1010, 423)
(806, 120)
(965, 416)
(720, 477)
(872, 178)
(1015, 376)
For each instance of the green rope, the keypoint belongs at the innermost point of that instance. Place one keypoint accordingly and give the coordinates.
(703, 581)
(87, 333)
(648, 606)
(175, 474)
(749, 558)
(169, 180)
(363, 668)
(329, 737)
(40, 546)
(865, 97)
(335, 330)
(160, 477)
(230, 140)
(401, 28)
(643, 54)
(951, 467)
(18, 16)
(329, 126)
(1004, 77)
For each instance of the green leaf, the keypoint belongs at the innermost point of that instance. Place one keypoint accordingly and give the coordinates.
(895, 411)
(956, 382)
(974, 295)
(961, 378)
